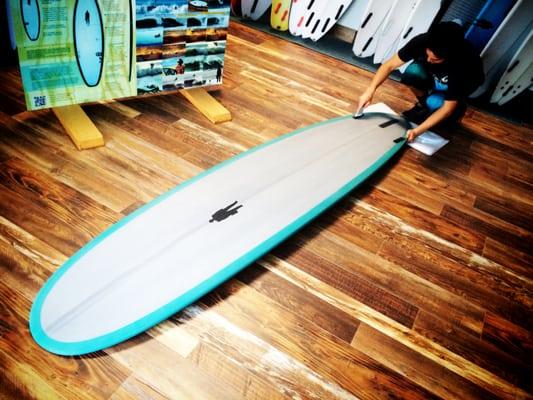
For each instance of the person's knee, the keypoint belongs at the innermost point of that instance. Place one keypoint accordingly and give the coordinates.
(434, 101)
(417, 77)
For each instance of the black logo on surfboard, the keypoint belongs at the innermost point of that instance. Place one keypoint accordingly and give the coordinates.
(225, 212)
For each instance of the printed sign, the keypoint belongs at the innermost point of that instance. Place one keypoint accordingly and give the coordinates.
(74, 51)
(77, 51)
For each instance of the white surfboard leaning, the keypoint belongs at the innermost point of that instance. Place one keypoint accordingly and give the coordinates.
(89, 40)
(254, 9)
(524, 82)
(389, 33)
(259, 8)
(246, 8)
(418, 22)
(366, 38)
(516, 68)
(517, 23)
(297, 15)
(185, 243)
(334, 10)
(312, 14)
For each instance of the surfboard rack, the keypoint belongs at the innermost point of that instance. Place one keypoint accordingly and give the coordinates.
(80, 128)
(207, 105)
(85, 135)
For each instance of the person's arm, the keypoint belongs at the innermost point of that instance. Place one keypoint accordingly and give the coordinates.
(438, 116)
(381, 75)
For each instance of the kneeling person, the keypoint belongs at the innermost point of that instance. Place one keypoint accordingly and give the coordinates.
(445, 69)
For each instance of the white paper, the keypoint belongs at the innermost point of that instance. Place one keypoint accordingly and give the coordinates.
(380, 107)
(428, 143)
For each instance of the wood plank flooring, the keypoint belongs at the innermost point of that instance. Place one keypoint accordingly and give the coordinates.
(418, 285)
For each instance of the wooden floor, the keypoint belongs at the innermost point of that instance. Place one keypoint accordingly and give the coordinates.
(416, 286)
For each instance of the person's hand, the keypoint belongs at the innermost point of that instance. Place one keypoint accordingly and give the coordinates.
(412, 134)
(364, 100)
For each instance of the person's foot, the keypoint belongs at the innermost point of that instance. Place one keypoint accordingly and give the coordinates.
(417, 114)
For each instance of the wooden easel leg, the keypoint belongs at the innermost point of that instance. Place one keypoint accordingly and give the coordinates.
(207, 105)
(79, 127)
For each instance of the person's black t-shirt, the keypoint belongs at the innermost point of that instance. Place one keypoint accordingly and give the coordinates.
(462, 72)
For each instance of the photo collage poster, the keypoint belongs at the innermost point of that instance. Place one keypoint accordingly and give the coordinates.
(180, 43)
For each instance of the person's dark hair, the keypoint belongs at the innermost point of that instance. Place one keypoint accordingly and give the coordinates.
(446, 39)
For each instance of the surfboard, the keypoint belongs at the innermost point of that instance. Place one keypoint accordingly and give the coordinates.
(392, 27)
(504, 42)
(312, 20)
(11, 26)
(520, 62)
(521, 84)
(310, 17)
(329, 16)
(366, 38)
(246, 8)
(259, 8)
(418, 22)
(279, 16)
(31, 18)
(297, 14)
(185, 243)
(89, 40)
(493, 12)
(254, 9)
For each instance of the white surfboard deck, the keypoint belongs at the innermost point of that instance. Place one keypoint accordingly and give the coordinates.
(366, 38)
(297, 14)
(89, 40)
(329, 16)
(516, 68)
(246, 8)
(418, 22)
(310, 17)
(175, 249)
(254, 9)
(524, 82)
(517, 24)
(260, 9)
(389, 33)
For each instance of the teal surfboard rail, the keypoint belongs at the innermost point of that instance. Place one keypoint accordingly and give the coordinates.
(164, 312)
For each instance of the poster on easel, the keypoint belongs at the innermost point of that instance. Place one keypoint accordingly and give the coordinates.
(78, 51)
(74, 51)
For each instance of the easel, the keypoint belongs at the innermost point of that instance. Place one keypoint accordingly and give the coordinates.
(85, 135)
